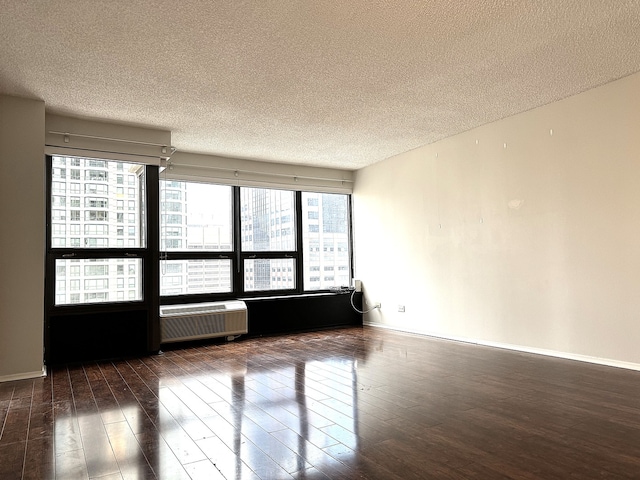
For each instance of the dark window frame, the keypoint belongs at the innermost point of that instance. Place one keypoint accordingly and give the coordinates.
(144, 253)
(238, 257)
(151, 254)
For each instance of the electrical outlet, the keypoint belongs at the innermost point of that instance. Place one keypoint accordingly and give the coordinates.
(401, 308)
(378, 305)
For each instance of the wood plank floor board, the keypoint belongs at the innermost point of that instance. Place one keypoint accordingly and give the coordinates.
(16, 422)
(39, 461)
(12, 464)
(131, 407)
(128, 452)
(340, 404)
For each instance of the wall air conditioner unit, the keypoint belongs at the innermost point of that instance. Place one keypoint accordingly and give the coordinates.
(202, 320)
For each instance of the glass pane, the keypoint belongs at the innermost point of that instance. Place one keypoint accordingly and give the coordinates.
(325, 240)
(268, 220)
(180, 277)
(98, 280)
(269, 274)
(85, 202)
(195, 216)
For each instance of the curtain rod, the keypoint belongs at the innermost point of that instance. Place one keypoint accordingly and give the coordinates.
(96, 137)
(237, 172)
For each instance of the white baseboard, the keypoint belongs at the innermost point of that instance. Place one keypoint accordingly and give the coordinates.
(24, 376)
(520, 348)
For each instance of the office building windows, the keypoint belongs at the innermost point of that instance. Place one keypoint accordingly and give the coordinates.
(197, 221)
(197, 234)
(214, 241)
(326, 218)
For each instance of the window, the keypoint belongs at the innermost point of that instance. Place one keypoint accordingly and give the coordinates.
(95, 189)
(201, 229)
(58, 187)
(92, 284)
(262, 214)
(96, 297)
(181, 277)
(269, 242)
(202, 244)
(327, 230)
(92, 275)
(96, 216)
(215, 241)
(207, 218)
(93, 270)
(266, 274)
(58, 215)
(96, 222)
(91, 229)
(99, 175)
(92, 202)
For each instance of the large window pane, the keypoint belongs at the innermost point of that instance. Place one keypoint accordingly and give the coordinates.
(269, 274)
(195, 216)
(325, 240)
(92, 203)
(267, 220)
(181, 277)
(98, 280)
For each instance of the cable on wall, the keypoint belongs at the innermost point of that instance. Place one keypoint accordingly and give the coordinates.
(361, 311)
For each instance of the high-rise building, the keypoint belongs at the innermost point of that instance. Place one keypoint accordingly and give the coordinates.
(99, 204)
(96, 204)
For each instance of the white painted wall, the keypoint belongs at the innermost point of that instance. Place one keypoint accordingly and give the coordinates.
(535, 246)
(22, 237)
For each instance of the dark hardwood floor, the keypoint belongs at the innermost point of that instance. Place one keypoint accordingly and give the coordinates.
(342, 404)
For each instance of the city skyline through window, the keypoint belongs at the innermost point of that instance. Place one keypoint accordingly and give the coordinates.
(214, 241)
(87, 213)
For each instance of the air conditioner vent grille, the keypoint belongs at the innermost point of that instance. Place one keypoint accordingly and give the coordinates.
(195, 321)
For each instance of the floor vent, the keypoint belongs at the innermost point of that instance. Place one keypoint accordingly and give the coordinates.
(202, 320)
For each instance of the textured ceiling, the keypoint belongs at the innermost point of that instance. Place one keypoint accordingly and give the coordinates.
(330, 83)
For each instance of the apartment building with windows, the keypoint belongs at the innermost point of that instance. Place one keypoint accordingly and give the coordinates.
(96, 204)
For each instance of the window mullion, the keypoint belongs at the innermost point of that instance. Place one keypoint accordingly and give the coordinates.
(237, 262)
(299, 249)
